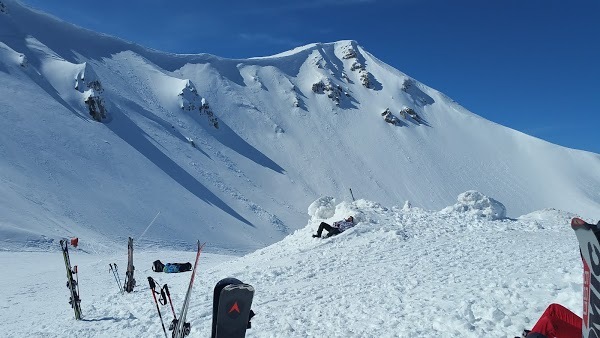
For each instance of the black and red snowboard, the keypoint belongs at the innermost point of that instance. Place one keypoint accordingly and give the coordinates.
(231, 308)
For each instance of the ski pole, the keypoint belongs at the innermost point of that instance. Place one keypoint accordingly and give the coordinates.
(170, 302)
(152, 287)
(118, 277)
(114, 271)
(174, 321)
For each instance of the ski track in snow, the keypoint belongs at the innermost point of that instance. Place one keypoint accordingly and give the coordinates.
(398, 273)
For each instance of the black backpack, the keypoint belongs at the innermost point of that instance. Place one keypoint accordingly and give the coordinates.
(158, 266)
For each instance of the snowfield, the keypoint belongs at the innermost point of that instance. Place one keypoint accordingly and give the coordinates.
(400, 272)
(103, 139)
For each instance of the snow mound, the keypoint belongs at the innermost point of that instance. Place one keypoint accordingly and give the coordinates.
(322, 208)
(548, 219)
(477, 204)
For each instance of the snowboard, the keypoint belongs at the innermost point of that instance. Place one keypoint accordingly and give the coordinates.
(231, 308)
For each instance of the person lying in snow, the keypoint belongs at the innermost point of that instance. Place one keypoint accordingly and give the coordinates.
(557, 321)
(158, 266)
(337, 227)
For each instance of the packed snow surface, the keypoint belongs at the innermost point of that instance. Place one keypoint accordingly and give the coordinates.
(401, 271)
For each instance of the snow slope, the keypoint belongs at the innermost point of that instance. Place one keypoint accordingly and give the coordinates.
(400, 272)
(232, 151)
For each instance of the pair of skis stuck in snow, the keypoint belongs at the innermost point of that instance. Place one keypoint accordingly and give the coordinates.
(129, 280)
(72, 279)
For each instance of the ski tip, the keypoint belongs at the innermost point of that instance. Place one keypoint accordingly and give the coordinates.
(577, 222)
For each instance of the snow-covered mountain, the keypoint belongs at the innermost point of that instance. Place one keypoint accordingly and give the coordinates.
(105, 138)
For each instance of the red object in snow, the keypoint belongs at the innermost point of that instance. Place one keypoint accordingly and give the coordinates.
(74, 242)
(558, 321)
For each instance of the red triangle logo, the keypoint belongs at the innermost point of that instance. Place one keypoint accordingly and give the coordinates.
(235, 308)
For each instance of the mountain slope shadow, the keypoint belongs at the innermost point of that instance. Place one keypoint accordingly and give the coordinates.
(230, 139)
(133, 106)
(129, 132)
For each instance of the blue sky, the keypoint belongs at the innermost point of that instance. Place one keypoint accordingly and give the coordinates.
(532, 65)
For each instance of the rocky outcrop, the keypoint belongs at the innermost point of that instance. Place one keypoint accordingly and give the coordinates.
(23, 60)
(3, 8)
(349, 53)
(390, 118)
(191, 101)
(407, 112)
(87, 83)
(96, 108)
(334, 92)
(420, 98)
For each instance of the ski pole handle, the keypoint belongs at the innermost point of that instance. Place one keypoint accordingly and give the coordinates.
(152, 284)
(163, 299)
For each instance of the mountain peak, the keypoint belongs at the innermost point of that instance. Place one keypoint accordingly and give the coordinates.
(312, 46)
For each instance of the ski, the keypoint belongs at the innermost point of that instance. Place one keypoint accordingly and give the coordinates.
(71, 282)
(588, 236)
(129, 280)
(180, 327)
(114, 269)
(232, 301)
